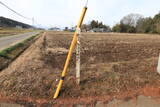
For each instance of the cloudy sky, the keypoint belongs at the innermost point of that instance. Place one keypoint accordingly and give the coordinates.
(66, 12)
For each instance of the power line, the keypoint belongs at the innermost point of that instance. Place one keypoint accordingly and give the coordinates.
(14, 11)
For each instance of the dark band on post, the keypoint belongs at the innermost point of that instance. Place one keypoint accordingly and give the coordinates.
(62, 78)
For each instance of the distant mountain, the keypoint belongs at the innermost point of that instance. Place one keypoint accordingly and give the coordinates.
(6, 22)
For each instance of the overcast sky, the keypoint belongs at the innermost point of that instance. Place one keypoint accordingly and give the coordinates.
(66, 12)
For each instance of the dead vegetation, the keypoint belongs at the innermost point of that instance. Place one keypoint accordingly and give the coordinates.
(10, 54)
(12, 31)
(111, 64)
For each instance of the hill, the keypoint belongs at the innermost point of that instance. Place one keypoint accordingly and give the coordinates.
(6, 22)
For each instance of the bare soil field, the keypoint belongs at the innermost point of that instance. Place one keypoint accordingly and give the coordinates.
(113, 66)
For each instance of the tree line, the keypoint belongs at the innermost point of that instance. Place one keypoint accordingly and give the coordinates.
(95, 25)
(132, 23)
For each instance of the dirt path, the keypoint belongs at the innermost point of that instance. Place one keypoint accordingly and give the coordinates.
(5, 42)
(140, 101)
(10, 105)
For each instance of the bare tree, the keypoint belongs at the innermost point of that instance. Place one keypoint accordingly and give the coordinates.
(131, 19)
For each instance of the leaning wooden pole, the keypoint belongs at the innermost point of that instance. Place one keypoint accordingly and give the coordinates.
(73, 44)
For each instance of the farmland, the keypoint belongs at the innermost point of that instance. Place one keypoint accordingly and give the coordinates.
(12, 31)
(113, 65)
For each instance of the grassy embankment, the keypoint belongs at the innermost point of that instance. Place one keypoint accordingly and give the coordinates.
(11, 53)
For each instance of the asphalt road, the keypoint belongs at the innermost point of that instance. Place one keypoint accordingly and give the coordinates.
(8, 41)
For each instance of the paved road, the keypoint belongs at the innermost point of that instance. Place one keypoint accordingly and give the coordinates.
(8, 41)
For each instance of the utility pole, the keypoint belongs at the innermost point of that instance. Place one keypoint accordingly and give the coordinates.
(33, 21)
(73, 45)
(71, 49)
(78, 52)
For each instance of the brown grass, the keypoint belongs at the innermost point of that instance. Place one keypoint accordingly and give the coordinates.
(12, 31)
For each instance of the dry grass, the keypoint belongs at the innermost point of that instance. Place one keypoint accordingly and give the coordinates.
(12, 31)
(9, 54)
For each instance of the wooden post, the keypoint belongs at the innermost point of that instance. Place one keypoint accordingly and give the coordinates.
(78, 52)
(73, 44)
(158, 68)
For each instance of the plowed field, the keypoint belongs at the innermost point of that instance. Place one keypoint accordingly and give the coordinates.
(113, 66)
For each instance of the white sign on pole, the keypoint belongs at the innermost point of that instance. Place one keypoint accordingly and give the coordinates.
(158, 68)
(78, 56)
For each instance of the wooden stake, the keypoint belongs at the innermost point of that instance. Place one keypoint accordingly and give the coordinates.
(78, 52)
(158, 68)
(73, 44)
